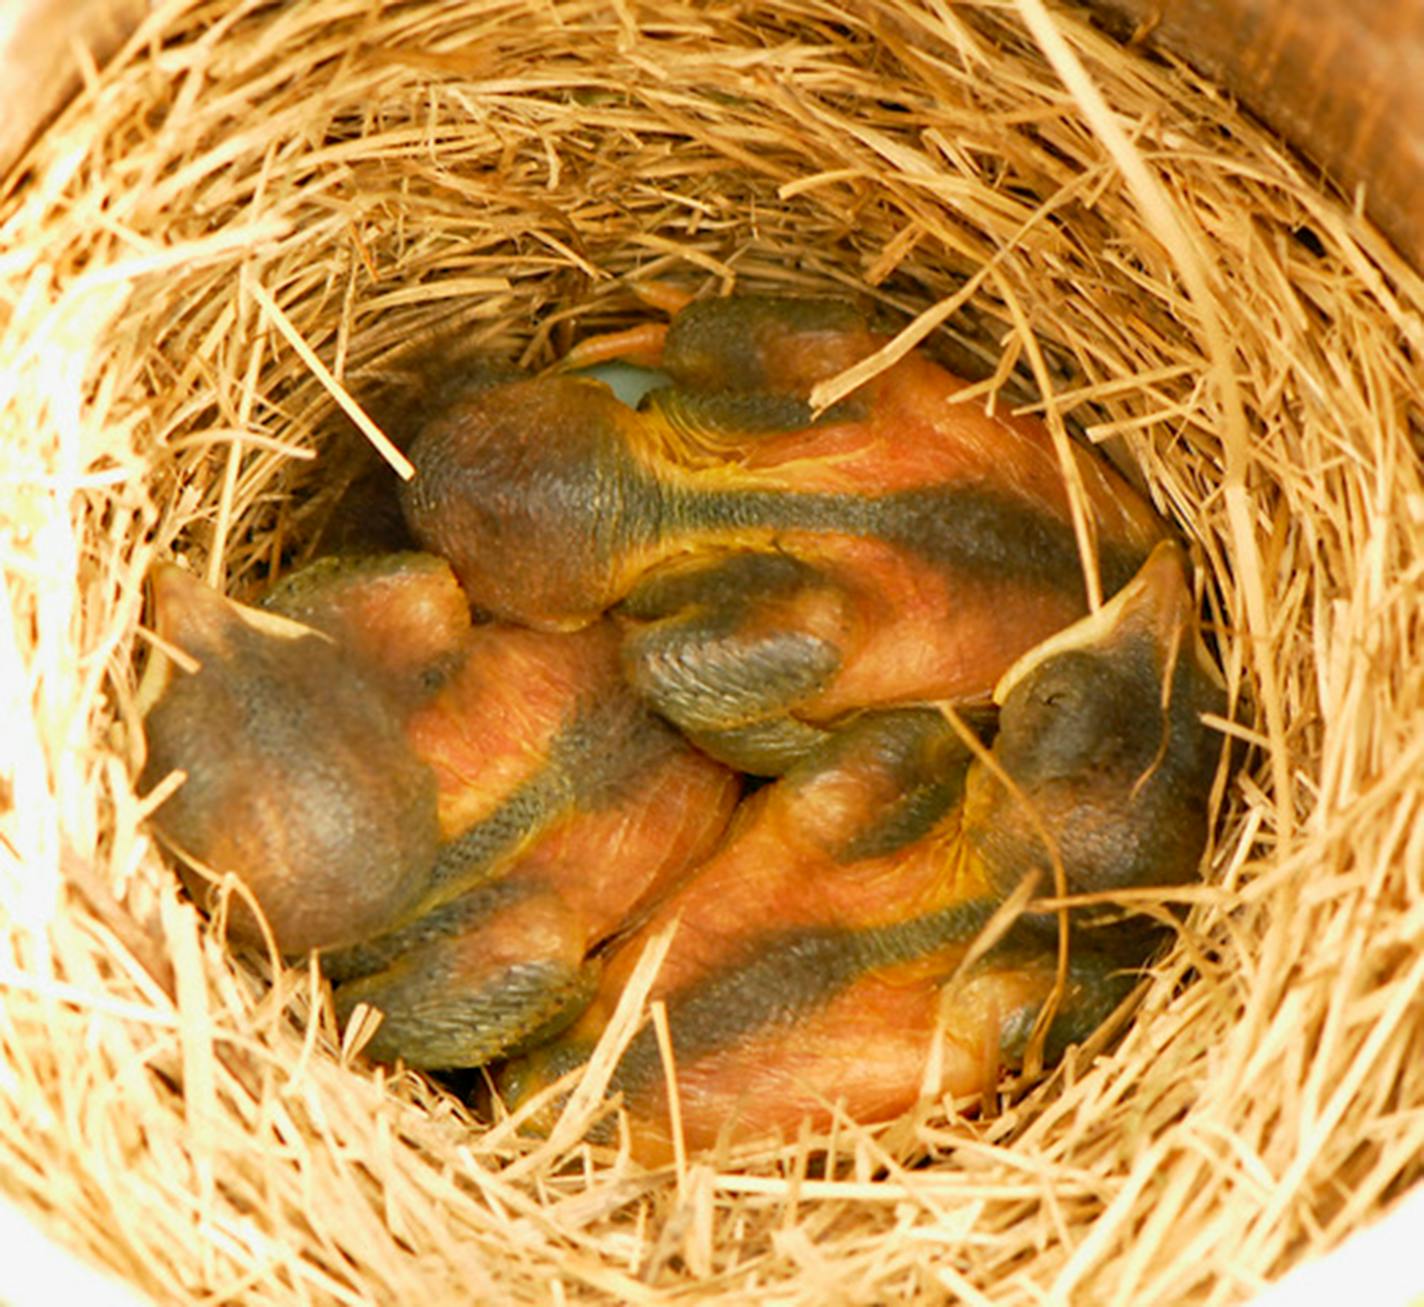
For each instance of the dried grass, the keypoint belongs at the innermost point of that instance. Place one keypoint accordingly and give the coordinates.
(1128, 255)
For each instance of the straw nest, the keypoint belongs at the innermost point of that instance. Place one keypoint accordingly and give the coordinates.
(254, 198)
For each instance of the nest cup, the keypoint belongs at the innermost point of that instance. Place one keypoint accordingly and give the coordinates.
(256, 208)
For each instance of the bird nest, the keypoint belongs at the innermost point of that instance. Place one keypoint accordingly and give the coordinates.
(256, 208)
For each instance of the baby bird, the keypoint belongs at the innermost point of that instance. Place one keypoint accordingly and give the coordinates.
(1101, 740)
(774, 570)
(563, 803)
(454, 814)
(401, 617)
(299, 776)
(821, 959)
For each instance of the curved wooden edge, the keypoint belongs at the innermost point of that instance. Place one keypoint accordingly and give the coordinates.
(41, 48)
(1341, 82)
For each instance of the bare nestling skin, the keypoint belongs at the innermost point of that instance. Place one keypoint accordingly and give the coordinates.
(774, 570)
(808, 971)
(564, 805)
(402, 618)
(454, 814)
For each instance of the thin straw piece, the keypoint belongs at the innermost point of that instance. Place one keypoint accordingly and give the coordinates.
(402, 465)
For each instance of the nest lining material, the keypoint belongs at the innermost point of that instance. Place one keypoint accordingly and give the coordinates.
(1094, 235)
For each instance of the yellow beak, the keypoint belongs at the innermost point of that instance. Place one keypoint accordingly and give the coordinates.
(1156, 603)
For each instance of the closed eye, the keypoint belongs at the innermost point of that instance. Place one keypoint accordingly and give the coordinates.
(1061, 696)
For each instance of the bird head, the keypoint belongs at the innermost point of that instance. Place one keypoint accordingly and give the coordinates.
(297, 774)
(1103, 760)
